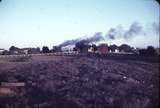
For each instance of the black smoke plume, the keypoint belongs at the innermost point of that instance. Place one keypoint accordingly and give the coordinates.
(119, 32)
(95, 38)
(134, 30)
(69, 42)
(114, 33)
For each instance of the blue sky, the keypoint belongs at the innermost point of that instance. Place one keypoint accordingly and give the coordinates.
(32, 23)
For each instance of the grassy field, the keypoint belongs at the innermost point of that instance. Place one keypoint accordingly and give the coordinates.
(81, 82)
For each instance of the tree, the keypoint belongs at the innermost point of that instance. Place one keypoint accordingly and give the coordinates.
(56, 49)
(13, 48)
(94, 47)
(148, 52)
(125, 48)
(5, 52)
(151, 50)
(45, 49)
(38, 49)
(113, 47)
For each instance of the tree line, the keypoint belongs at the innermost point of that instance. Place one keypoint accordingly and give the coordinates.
(79, 46)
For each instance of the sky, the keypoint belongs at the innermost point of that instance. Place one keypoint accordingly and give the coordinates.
(35, 23)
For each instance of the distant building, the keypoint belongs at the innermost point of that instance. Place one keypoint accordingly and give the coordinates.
(158, 51)
(30, 50)
(18, 51)
(103, 49)
(91, 49)
(116, 50)
(1, 51)
(85, 49)
(14, 50)
(25, 50)
(68, 48)
(135, 51)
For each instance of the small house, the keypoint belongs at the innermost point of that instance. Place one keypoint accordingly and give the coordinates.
(15, 50)
(84, 49)
(103, 49)
(1, 51)
(116, 51)
(30, 50)
(91, 49)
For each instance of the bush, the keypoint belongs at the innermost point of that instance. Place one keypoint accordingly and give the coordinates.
(149, 51)
(45, 49)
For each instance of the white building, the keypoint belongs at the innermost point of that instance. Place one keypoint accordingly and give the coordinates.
(91, 50)
(68, 48)
(116, 51)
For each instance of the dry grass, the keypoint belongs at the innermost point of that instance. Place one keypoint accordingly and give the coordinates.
(82, 82)
(15, 59)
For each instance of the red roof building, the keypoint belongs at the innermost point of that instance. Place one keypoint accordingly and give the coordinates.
(103, 49)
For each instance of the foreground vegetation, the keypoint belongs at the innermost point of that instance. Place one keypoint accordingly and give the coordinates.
(81, 82)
